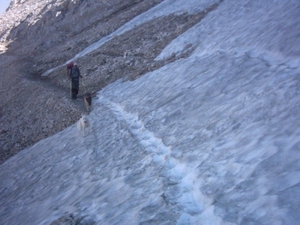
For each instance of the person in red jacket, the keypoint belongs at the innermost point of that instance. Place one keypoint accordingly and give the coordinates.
(74, 75)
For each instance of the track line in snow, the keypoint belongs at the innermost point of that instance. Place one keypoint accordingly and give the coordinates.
(181, 182)
(147, 139)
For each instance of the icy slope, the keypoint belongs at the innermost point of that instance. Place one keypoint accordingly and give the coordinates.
(167, 153)
(210, 139)
(269, 30)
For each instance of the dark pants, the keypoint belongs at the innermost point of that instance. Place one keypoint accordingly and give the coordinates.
(75, 87)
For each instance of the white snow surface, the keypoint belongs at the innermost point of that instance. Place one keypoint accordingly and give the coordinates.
(210, 139)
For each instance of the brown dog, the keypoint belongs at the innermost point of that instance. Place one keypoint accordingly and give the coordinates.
(87, 101)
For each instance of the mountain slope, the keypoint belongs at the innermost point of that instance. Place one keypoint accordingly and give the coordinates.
(209, 135)
(38, 40)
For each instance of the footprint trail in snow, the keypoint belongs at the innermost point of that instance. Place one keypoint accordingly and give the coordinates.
(181, 184)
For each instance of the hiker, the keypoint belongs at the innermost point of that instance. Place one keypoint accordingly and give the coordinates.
(74, 76)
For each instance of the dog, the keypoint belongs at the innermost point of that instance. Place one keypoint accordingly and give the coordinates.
(83, 124)
(87, 101)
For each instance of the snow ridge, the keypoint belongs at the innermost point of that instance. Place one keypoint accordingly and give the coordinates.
(181, 183)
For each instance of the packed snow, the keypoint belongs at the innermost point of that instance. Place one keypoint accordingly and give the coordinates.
(210, 139)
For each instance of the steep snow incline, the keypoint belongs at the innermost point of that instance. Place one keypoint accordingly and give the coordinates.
(187, 195)
(210, 139)
(232, 119)
(187, 143)
(244, 27)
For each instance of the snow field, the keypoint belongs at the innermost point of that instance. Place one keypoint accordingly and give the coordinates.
(209, 139)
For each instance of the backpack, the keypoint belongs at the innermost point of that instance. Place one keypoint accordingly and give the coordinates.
(74, 72)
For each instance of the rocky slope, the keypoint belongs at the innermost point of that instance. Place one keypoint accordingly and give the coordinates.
(40, 35)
